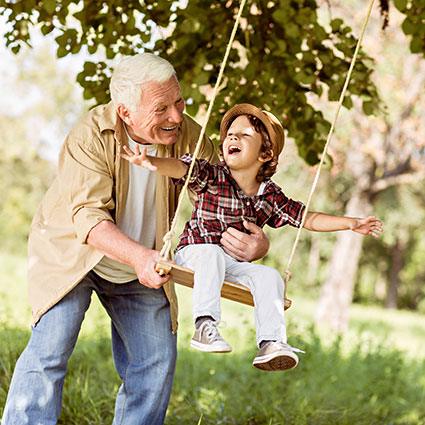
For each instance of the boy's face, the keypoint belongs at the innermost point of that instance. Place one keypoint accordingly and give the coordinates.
(242, 146)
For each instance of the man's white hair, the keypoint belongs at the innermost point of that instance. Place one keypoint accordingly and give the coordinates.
(134, 71)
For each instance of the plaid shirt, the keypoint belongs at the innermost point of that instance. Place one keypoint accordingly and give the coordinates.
(221, 204)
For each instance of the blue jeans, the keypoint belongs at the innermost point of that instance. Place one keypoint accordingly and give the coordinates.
(143, 347)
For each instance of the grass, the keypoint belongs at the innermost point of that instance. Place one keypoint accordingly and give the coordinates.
(374, 374)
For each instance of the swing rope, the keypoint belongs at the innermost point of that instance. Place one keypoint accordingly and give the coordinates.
(288, 273)
(170, 234)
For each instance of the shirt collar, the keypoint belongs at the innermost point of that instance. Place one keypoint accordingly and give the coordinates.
(269, 185)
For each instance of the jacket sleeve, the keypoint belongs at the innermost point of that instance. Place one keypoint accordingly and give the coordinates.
(86, 183)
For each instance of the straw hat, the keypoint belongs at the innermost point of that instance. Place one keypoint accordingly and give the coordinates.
(273, 126)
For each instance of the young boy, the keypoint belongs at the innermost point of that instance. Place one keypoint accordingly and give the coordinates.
(238, 189)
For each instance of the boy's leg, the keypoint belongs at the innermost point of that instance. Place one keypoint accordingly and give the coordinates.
(35, 393)
(267, 287)
(207, 261)
(144, 350)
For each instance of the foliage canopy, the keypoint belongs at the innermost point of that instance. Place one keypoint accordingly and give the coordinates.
(282, 54)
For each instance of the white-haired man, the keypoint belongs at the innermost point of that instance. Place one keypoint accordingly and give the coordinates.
(99, 228)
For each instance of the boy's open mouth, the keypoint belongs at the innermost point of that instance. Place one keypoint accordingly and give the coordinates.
(234, 149)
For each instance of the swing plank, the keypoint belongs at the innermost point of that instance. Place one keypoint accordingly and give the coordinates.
(231, 291)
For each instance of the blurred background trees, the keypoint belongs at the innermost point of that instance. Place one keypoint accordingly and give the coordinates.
(46, 105)
(290, 57)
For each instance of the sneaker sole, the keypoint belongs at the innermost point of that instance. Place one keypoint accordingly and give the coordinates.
(209, 348)
(275, 363)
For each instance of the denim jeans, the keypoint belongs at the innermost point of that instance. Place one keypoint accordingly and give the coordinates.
(212, 266)
(143, 348)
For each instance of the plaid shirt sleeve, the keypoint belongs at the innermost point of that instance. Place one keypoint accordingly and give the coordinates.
(203, 174)
(286, 211)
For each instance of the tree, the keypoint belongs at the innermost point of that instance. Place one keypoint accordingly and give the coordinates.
(282, 54)
(380, 153)
(395, 258)
(284, 58)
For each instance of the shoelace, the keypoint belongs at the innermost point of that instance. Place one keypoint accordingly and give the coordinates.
(210, 329)
(285, 346)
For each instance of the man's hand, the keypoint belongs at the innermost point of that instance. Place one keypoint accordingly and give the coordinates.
(107, 238)
(367, 226)
(145, 270)
(245, 247)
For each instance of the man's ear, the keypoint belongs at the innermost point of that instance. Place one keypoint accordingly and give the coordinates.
(264, 157)
(124, 113)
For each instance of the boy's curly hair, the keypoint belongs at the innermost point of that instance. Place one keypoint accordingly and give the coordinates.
(269, 167)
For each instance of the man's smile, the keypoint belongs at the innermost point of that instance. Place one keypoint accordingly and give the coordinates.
(169, 128)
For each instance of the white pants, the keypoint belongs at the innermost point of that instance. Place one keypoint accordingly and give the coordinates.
(212, 266)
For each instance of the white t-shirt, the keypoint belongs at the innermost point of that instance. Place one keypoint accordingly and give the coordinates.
(137, 219)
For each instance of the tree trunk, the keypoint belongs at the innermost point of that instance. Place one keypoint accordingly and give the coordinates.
(337, 291)
(394, 278)
(313, 259)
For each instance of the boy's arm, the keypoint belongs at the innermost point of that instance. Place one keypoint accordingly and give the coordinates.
(171, 167)
(321, 222)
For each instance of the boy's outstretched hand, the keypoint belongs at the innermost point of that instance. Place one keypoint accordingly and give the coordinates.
(367, 226)
(138, 158)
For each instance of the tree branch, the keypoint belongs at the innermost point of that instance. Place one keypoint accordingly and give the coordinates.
(407, 178)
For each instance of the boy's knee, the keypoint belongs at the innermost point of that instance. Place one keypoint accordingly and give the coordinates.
(269, 275)
(211, 252)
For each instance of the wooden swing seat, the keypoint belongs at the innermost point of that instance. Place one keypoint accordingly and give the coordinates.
(231, 291)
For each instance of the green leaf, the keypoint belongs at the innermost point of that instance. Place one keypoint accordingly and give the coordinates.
(281, 15)
(16, 48)
(49, 6)
(92, 48)
(336, 24)
(308, 57)
(46, 29)
(89, 68)
(347, 102)
(417, 45)
(87, 94)
(334, 92)
(304, 77)
(110, 54)
(409, 27)
(75, 48)
(292, 30)
(61, 52)
(325, 57)
(400, 5)
(81, 77)
(367, 108)
(312, 157)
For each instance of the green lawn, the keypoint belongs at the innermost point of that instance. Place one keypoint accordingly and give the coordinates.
(374, 374)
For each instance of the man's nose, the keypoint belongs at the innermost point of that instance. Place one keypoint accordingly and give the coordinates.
(175, 115)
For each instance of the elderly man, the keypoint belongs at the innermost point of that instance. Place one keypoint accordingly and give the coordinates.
(98, 229)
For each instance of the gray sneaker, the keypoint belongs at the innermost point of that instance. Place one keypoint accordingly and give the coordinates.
(207, 338)
(276, 356)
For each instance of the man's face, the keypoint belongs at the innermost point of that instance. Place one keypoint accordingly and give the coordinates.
(158, 117)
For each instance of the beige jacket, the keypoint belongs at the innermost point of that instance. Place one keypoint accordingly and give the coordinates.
(91, 186)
